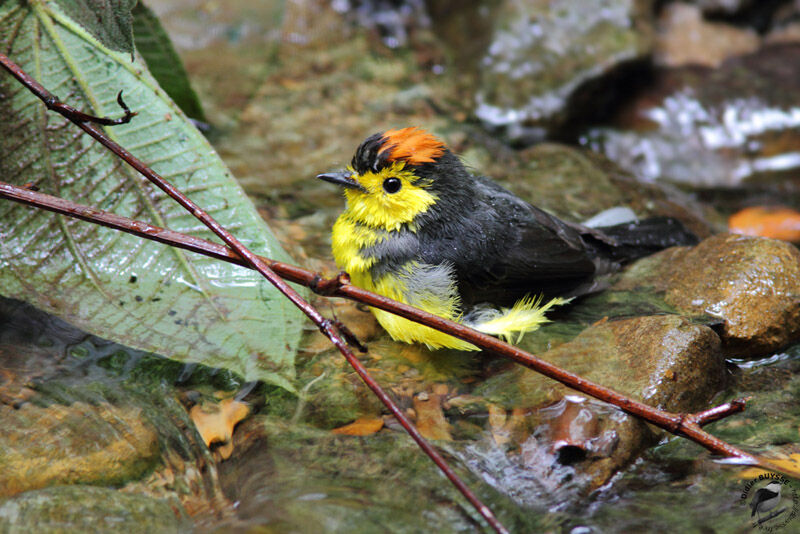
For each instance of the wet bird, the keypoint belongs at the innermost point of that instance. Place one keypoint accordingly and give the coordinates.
(765, 499)
(420, 228)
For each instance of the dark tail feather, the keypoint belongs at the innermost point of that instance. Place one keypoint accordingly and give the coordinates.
(629, 241)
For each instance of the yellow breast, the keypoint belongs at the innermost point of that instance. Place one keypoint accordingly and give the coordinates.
(349, 240)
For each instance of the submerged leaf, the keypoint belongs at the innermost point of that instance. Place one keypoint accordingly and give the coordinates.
(153, 43)
(215, 423)
(117, 286)
(363, 426)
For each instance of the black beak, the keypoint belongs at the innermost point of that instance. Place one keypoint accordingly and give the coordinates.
(343, 179)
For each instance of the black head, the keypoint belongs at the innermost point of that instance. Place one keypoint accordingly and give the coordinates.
(418, 150)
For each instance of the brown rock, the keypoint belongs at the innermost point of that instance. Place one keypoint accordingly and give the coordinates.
(684, 38)
(790, 33)
(664, 361)
(752, 284)
(76, 443)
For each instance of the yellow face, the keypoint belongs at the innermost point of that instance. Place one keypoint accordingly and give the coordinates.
(394, 196)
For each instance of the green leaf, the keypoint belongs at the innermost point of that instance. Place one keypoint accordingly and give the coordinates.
(153, 43)
(108, 21)
(117, 286)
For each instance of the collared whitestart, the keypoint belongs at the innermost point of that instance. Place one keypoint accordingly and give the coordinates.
(421, 229)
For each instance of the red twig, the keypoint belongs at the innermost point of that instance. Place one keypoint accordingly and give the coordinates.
(716, 413)
(326, 326)
(54, 104)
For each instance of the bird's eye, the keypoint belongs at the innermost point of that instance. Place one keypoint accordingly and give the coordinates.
(392, 185)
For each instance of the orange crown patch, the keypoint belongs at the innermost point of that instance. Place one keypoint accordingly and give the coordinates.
(414, 145)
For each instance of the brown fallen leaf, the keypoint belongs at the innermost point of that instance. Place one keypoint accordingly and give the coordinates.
(431, 421)
(497, 424)
(363, 426)
(215, 423)
(507, 426)
(789, 465)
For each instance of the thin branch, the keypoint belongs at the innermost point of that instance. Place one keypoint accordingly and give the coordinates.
(687, 425)
(326, 326)
(54, 104)
(718, 412)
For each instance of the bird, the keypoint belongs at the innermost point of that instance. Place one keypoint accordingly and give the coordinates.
(421, 228)
(765, 499)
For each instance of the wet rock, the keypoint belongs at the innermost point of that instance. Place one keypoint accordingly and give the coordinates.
(735, 126)
(785, 14)
(664, 361)
(760, 15)
(549, 62)
(393, 20)
(89, 509)
(577, 184)
(79, 443)
(75, 409)
(728, 7)
(748, 283)
(788, 33)
(684, 38)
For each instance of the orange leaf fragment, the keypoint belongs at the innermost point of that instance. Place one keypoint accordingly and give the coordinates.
(215, 423)
(363, 426)
(775, 222)
(789, 465)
